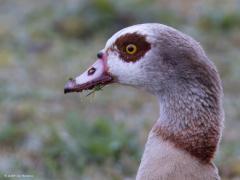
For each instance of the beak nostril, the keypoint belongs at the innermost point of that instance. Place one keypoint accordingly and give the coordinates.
(91, 71)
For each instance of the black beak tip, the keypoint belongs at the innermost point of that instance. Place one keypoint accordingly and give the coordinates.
(69, 86)
(66, 91)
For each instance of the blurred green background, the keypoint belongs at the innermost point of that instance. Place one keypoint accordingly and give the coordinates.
(50, 135)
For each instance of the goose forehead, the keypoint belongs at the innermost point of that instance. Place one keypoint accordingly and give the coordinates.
(148, 30)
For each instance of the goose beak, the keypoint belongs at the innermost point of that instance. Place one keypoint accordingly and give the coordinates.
(95, 75)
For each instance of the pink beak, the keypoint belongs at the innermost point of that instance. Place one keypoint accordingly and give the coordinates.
(97, 74)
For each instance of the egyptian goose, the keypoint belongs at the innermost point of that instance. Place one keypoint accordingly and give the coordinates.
(173, 67)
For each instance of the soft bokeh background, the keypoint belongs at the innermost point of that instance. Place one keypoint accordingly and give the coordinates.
(50, 135)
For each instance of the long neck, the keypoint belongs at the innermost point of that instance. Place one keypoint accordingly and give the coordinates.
(192, 121)
(184, 139)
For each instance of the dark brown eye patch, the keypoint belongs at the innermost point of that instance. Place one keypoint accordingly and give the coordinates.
(123, 42)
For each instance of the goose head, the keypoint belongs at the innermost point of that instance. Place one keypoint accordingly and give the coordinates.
(129, 57)
(154, 57)
(172, 66)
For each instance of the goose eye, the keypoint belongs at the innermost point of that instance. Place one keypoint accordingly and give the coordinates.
(131, 49)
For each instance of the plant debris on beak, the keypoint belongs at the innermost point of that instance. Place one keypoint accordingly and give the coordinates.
(94, 78)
